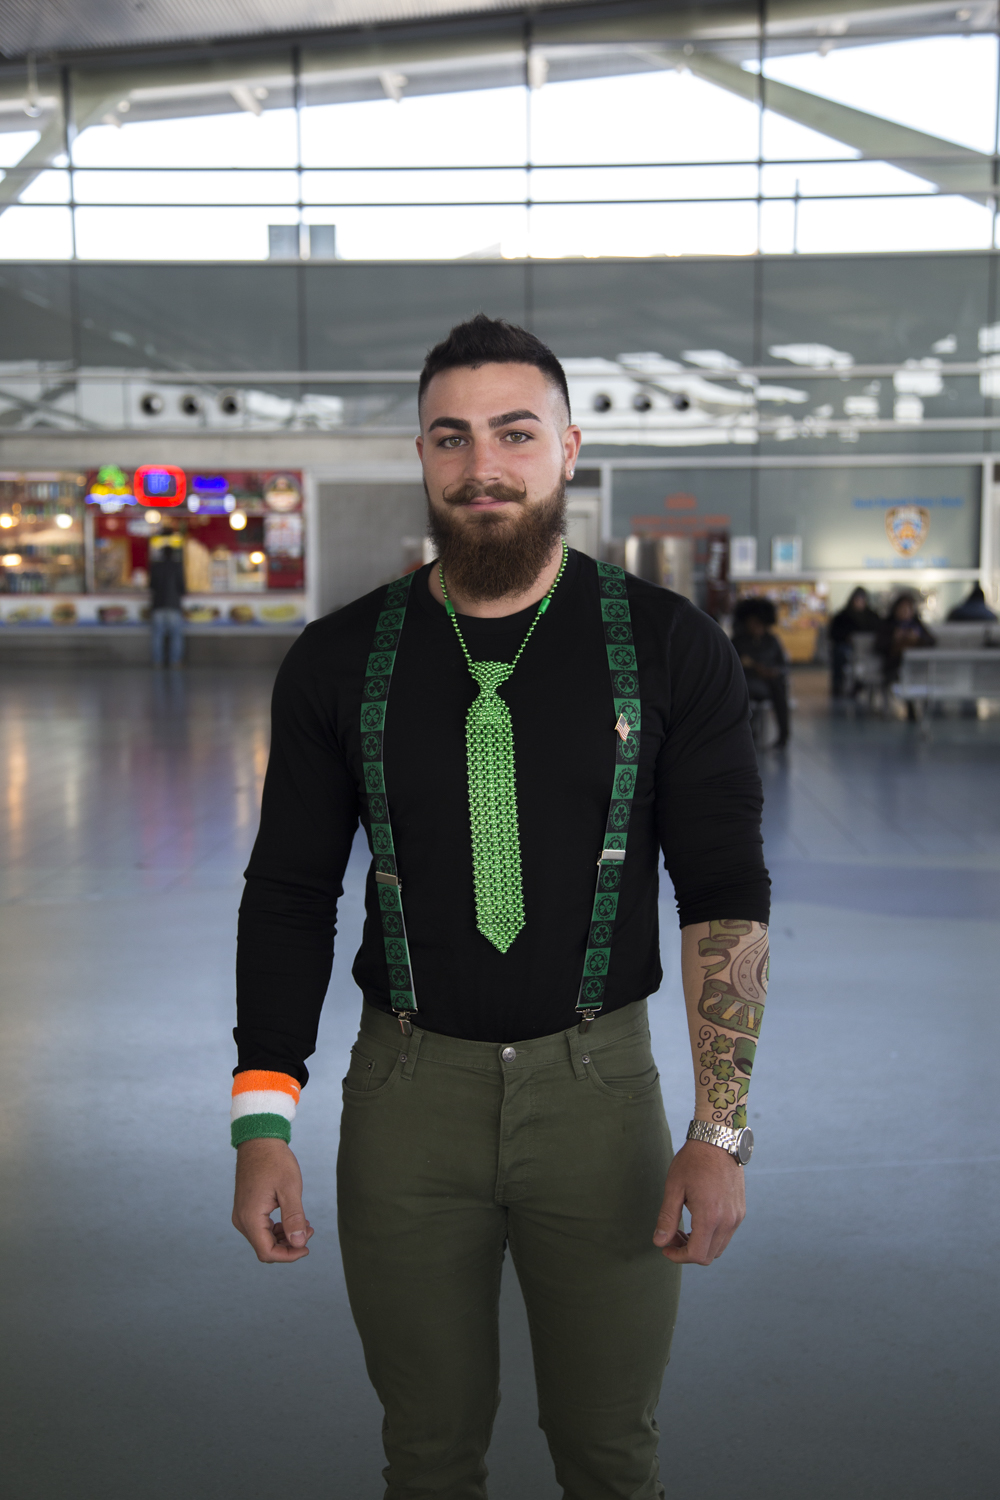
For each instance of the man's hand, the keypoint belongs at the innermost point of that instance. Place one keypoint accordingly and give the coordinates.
(268, 1177)
(710, 1182)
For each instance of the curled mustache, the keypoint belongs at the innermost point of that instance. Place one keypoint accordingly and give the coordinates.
(466, 492)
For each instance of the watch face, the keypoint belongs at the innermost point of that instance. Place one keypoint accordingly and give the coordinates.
(744, 1146)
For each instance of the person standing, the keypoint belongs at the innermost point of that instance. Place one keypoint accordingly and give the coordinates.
(166, 584)
(521, 731)
(856, 618)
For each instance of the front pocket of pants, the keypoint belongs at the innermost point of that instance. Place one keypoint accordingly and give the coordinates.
(626, 1072)
(371, 1074)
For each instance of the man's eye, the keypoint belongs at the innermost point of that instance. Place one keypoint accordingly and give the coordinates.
(517, 437)
(452, 442)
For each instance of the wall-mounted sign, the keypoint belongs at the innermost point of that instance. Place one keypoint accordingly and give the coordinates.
(907, 527)
(283, 536)
(283, 493)
(111, 488)
(161, 485)
(786, 554)
(210, 495)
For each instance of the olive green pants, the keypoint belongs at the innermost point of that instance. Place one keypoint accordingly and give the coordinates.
(558, 1147)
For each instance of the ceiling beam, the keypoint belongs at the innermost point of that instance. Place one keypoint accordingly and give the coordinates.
(950, 167)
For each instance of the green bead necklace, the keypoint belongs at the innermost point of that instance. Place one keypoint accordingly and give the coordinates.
(489, 740)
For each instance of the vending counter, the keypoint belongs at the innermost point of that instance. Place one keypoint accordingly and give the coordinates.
(74, 565)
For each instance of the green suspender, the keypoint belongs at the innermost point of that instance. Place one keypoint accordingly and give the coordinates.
(373, 700)
(625, 690)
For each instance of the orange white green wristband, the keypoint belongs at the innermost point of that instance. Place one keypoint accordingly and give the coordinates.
(263, 1105)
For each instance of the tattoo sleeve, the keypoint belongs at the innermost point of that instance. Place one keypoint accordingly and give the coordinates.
(725, 967)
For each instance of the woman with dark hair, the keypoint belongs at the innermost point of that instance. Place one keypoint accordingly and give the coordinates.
(764, 661)
(856, 618)
(902, 630)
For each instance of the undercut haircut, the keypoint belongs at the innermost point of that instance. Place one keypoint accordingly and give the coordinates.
(492, 341)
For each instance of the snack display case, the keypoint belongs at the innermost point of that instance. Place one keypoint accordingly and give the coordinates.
(42, 551)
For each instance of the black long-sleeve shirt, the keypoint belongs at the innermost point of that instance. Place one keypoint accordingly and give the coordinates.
(166, 574)
(698, 798)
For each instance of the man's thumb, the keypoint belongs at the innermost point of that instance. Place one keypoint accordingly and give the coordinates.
(294, 1222)
(668, 1220)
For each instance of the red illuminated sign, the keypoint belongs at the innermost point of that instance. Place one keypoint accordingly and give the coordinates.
(161, 485)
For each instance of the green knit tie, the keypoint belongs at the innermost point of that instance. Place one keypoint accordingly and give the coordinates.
(489, 742)
(496, 847)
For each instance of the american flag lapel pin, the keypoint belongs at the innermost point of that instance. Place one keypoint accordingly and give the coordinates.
(622, 727)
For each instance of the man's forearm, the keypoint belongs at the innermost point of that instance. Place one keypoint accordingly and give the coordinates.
(725, 970)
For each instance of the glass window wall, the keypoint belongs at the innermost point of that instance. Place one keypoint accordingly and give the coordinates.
(774, 129)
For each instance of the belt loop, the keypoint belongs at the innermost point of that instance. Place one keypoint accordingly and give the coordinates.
(409, 1046)
(577, 1047)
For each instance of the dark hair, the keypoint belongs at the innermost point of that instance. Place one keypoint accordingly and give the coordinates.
(755, 608)
(491, 341)
(911, 600)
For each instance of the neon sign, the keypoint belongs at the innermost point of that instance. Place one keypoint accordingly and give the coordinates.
(111, 489)
(161, 485)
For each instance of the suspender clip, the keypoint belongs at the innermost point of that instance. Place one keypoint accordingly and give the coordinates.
(585, 1019)
(405, 1025)
(382, 878)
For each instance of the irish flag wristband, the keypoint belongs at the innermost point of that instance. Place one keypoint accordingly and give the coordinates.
(263, 1105)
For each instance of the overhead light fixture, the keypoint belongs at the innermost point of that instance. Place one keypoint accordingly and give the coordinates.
(393, 85)
(538, 70)
(32, 108)
(6, 521)
(257, 558)
(12, 560)
(238, 520)
(64, 521)
(153, 517)
(246, 98)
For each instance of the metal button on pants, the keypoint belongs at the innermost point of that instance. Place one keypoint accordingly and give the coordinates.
(442, 1159)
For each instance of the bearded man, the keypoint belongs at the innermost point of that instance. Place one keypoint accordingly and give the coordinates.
(520, 731)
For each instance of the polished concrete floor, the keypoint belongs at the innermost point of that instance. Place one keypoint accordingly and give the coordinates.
(844, 1347)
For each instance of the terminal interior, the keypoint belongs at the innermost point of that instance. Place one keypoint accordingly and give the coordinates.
(762, 240)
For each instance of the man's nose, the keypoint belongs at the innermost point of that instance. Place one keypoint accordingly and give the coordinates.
(482, 465)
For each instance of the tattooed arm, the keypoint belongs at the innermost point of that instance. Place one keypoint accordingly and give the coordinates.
(725, 972)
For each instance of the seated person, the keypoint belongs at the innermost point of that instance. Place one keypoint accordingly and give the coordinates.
(856, 618)
(974, 609)
(763, 657)
(901, 630)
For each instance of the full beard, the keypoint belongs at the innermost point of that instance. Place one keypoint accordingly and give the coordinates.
(490, 556)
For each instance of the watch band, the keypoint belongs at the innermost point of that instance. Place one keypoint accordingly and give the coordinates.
(738, 1143)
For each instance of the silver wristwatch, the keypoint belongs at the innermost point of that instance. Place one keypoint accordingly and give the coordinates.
(738, 1143)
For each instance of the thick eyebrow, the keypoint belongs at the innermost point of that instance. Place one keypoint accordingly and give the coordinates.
(458, 423)
(513, 416)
